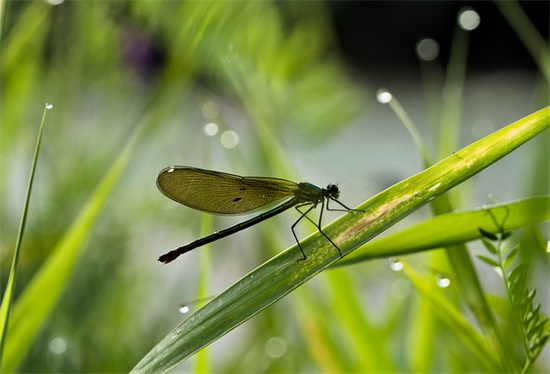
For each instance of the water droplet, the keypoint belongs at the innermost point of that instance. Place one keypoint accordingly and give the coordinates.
(49, 106)
(427, 49)
(211, 129)
(468, 19)
(395, 264)
(442, 281)
(58, 345)
(229, 139)
(383, 96)
(184, 309)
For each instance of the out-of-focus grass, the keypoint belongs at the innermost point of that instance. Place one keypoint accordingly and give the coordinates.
(7, 299)
(268, 71)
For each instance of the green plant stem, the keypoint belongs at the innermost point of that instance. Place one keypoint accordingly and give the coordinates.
(7, 300)
(411, 128)
(519, 322)
(502, 270)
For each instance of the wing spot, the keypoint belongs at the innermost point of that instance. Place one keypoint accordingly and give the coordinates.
(237, 199)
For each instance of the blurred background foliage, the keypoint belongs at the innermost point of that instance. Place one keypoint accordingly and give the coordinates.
(291, 88)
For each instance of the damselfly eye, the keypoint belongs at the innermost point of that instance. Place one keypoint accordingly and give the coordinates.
(333, 189)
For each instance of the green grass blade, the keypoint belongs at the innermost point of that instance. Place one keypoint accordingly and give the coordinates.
(314, 326)
(449, 138)
(531, 38)
(364, 336)
(26, 33)
(7, 299)
(435, 232)
(413, 131)
(282, 274)
(457, 255)
(345, 340)
(41, 295)
(455, 321)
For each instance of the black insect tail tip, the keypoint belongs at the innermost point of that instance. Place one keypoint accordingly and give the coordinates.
(168, 257)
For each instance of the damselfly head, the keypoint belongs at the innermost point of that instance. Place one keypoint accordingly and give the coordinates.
(333, 190)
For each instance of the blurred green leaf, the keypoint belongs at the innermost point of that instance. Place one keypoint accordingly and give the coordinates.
(455, 321)
(34, 306)
(363, 339)
(489, 246)
(280, 70)
(489, 261)
(511, 256)
(517, 280)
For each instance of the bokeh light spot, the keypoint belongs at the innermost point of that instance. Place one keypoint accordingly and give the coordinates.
(229, 139)
(211, 129)
(383, 96)
(58, 346)
(427, 49)
(468, 19)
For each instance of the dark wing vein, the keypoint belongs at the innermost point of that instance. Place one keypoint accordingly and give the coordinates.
(222, 193)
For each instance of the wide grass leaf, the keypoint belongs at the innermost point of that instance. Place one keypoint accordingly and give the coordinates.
(436, 232)
(283, 273)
